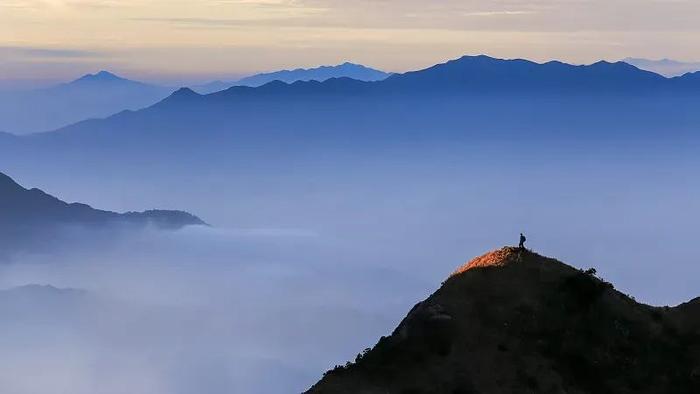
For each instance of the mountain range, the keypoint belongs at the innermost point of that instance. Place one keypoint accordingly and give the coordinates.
(463, 103)
(479, 85)
(103, 94)
(470, 78)
(31, 216)
(322, 73)
(513, 321)
(480, 88)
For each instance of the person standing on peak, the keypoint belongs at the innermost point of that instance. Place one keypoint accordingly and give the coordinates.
(521, 245)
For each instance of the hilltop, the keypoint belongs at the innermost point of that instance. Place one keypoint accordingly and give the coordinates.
(513, 321)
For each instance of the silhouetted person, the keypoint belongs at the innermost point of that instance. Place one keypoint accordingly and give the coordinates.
(521, 245)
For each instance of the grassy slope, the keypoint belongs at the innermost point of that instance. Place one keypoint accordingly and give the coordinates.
(529, 324)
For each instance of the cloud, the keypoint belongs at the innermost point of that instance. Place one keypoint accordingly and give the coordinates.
(43, 4)
(198, 310)
(498, 13)
(46, 53)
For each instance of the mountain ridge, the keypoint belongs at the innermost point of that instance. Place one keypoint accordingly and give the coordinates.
(320, 74)
(469, 77)
(17, 202)
(31, 219)
(482, 74)
(445, 106)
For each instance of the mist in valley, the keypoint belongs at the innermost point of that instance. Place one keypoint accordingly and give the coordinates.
(311, 258)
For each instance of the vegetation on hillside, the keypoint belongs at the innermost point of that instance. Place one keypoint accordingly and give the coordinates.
(516, 322)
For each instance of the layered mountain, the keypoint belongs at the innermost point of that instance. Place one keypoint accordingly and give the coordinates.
(467, 95)
(467, 102)
(90, 96)
(320, 74)
(513, 321)
(31, 216)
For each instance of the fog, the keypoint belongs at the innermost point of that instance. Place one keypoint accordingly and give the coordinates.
(311, 259)
(198, 310)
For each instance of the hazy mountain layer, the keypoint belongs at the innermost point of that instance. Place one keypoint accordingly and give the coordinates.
(667, 67)
(471, 97)
(323, 73)
(267, 143)
(91, 96)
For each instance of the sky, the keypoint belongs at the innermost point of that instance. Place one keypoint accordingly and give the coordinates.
(197, 40)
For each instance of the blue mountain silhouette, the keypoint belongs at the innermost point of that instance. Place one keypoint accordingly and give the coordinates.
(31, 216)
(90, 96)
(20, 207)
(464, 101)
(483, 74)
(101, 77)
(474, 80)
(322, 73)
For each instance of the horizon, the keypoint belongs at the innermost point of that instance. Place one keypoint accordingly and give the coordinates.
(163, 42)
(30, 84)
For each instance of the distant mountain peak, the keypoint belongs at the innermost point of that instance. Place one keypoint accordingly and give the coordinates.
(350, 65)
(181, 95)
(482, 58)
(308, 73)
(105, 74)
(185, 92)
(100, 76)
(289, 76)
(605, 63)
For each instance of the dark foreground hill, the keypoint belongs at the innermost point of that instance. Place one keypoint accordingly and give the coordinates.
(31, 217)
(511, 322)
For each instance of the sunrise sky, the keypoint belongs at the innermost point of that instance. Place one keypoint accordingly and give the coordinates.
(202, 39)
